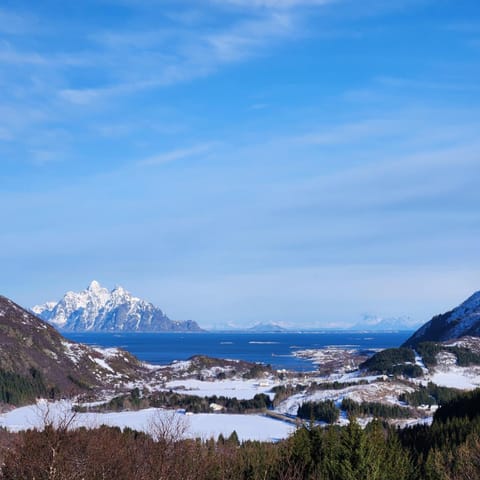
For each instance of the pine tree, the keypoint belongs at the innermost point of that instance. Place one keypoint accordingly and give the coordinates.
(233, 438)
(356, 455)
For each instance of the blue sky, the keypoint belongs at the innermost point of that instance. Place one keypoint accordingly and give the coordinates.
(299, 161)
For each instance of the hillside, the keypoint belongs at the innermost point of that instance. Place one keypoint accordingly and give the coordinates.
(462, 321)
(98, 309)
(35, 360)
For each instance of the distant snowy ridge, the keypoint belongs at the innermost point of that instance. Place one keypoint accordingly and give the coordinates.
(462, 321)
(378, 324)
(98, 309)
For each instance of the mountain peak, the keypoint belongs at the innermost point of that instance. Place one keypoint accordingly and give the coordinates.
(119, 290)
(379, 323)
(472, 302)
(98, 309)
(462, 321)
(94, 286)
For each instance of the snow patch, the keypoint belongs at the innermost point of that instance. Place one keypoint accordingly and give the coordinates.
(103, 364)
(241, 389)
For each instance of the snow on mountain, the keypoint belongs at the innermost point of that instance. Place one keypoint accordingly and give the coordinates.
(377, 323)
(46, 363)
(98, 309)
(462, 321)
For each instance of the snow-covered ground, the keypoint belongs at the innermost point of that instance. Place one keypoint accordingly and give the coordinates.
(204, 425)
(448, 374)
(387, 392)
(241, 389)
(466, 378)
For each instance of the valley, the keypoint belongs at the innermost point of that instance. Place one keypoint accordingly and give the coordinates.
(212, 395)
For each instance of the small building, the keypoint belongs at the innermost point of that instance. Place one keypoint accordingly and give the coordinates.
(216, 407)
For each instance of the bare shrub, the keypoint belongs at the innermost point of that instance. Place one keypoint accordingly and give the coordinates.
(167, 426)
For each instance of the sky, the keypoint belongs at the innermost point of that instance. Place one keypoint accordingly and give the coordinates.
(305, 162)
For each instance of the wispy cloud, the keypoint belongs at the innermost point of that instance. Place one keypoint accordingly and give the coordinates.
(243, 40)
(349, 132)
(178, 154)
(273, 4)
(10, 55)
(146, 60)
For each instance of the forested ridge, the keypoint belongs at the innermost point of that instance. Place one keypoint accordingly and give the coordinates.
(449, 449)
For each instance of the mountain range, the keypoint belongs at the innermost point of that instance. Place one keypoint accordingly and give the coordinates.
(462, 321)
(378, 324)
(100, 310)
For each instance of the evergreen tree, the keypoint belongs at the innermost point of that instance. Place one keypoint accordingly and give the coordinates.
(233, 439)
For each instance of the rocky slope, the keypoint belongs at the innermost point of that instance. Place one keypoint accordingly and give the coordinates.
(35, 360)
(98, 309)
(462, 321)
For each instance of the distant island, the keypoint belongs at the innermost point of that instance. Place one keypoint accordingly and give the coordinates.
(96, 309)
(267, 328)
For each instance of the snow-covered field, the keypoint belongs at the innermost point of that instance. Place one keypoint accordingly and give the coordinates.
(204, 425)
(378, 391)
(466, 378)
(241, 389)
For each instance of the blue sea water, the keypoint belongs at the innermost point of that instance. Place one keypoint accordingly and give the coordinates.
(275, 349)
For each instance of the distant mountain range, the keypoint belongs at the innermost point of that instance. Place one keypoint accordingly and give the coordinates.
(379, 324)
(100, 310)
(462, 321)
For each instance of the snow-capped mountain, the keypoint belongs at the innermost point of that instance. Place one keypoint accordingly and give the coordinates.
(98, 309)
(462, 321)
(376, 323)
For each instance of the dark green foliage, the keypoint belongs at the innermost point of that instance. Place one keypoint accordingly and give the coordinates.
(394, 361)
(463, 406)
(375, 409)
(233, 438)
(284, 391)
(451, 443)
(135, 397)
(334, 385)
(432, 394)
(420, 439)
(19, 390)
(465, 357)
(347, 453)
(256, 371)
(321, 411)
(429, 351)
(434, 331)
(411, 371)
(191, 403)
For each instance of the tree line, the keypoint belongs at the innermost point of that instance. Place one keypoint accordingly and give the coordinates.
(449, 449)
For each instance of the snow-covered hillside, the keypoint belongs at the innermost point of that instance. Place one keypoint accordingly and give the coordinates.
(98, 309)
(462, 321)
